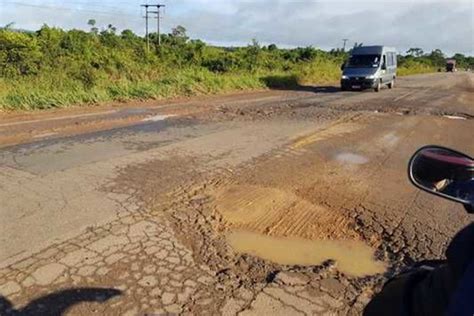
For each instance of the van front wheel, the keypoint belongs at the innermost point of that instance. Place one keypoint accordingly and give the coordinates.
(378, 86)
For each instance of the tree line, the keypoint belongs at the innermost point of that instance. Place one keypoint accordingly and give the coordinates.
(436, 58)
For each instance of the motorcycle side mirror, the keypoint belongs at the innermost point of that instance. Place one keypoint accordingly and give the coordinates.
(444, 172)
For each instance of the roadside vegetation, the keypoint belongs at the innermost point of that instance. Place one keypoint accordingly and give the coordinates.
(56, 68)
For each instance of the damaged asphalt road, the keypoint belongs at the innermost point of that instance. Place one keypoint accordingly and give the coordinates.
(211, 205)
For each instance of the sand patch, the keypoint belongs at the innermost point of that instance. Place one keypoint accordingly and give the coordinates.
(280, 213)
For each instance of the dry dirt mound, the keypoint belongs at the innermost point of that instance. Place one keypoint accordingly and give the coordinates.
(276, 212)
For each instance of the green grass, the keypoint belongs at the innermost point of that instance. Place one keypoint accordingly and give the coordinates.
(318, 71)
(44, 92)
(58, 89)
(413, 68)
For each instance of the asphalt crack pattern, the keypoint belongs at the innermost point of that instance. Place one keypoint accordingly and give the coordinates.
(137, 255)
(200, 228)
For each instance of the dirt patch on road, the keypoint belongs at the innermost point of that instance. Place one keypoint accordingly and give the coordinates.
(276, 212)
(335, 129)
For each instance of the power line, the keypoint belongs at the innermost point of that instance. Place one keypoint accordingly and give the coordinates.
(109, 13)
(80, 4)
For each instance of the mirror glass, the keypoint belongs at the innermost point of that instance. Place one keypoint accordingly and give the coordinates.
(444, 172)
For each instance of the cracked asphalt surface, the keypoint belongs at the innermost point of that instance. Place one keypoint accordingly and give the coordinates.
(126, 210)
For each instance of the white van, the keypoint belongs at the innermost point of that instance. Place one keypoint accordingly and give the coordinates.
(370, 67)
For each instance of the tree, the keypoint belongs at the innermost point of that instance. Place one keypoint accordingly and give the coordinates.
(177, 36)
(255, 44)
(8, 26)
(128, 35)
(108, 37)
(437, 57)
(416, 52)
(437, 53)
(272, 47)
(460, 58)
(20, 54)
(111, 29)
(92, 24)
(50, 40)
(307, 53)
(179, 31)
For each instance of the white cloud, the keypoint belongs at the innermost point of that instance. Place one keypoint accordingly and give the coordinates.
(429, 24)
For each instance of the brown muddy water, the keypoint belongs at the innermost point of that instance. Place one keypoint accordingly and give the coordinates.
(352, 257)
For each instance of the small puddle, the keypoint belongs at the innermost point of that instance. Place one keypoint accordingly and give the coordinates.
(390, 139)
(45, 135)
(454, 117)
(351, 158)
(134, 111)
(352, 257)
(156, 118)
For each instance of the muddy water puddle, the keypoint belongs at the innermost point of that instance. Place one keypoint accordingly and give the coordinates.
(352, 257)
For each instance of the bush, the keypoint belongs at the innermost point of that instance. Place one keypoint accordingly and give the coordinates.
(57, 68)
(411, 67)
(20, 54)
(318, 71)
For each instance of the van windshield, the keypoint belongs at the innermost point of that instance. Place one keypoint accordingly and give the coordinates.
(363, 61)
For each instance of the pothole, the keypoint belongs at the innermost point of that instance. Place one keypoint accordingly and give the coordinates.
(352, 257)
(280, 227)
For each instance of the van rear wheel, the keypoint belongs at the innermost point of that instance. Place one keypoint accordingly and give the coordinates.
(391, 85)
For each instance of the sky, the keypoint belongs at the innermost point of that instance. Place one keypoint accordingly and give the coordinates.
(428, 24)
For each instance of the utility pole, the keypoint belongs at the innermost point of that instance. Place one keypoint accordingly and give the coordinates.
(158, 18)
(344, 47)
(146, 27)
